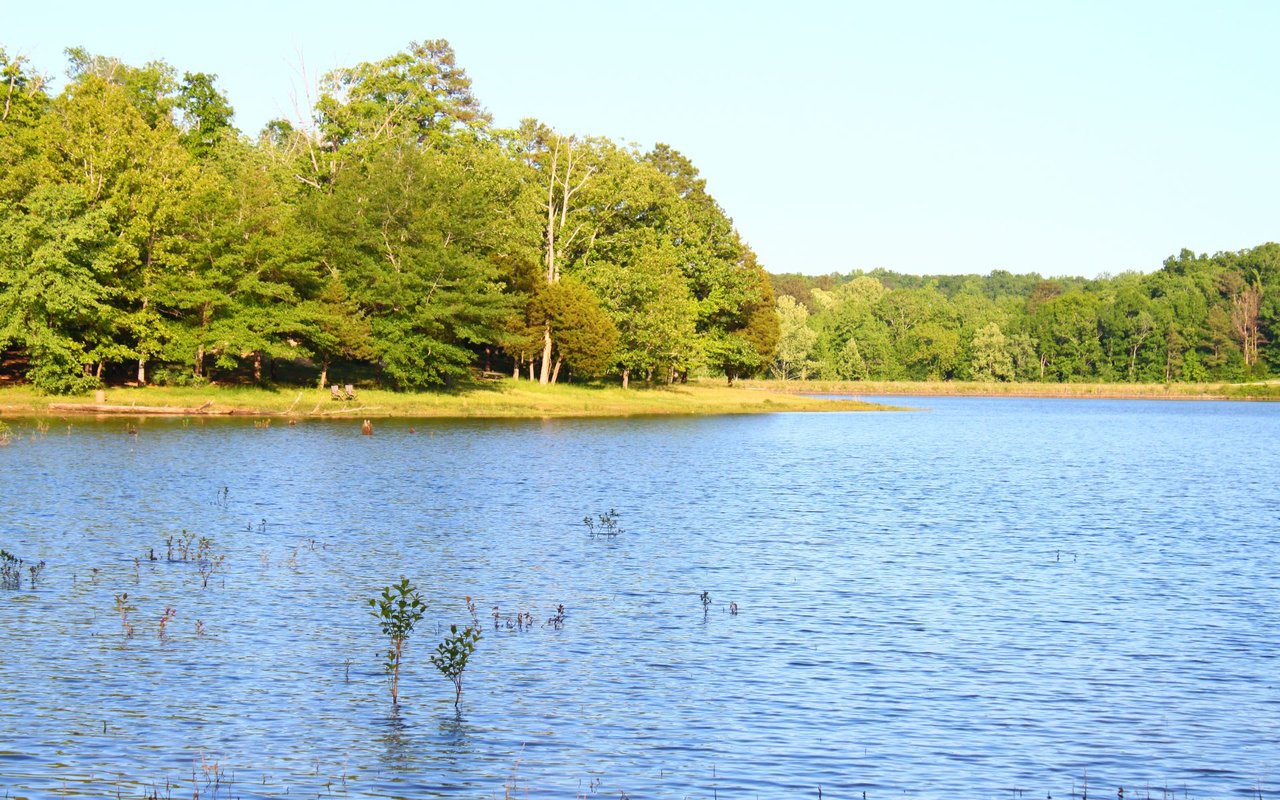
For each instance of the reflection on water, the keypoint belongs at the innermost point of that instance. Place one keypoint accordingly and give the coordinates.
(986, 598)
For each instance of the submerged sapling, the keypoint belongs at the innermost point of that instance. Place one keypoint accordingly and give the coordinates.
(10, 571)
(452, 655)
(398, 609)
(166, 618)
(123, 608)
(608, 524)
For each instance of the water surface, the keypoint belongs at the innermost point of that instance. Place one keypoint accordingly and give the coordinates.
(989, 597)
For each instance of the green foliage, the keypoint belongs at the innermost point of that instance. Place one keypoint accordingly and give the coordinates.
(795, 340)
(584, 336)
(400, 237)
(991, 360)
(1200, 318)
(206, 113)
(453, 653)
(398, 609)
(421, 92)
(10, 571)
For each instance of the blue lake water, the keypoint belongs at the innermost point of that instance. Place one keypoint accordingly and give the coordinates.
(989, 598)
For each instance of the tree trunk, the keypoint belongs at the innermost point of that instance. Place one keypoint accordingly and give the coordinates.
(199, 365)
(324, 373)
(531, 370)
(626, 377)
(543, 375)
(555, 374)
(142, 370)
(257, 367)
(1246, 306)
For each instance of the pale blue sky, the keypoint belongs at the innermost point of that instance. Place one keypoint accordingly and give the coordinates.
(927, 137)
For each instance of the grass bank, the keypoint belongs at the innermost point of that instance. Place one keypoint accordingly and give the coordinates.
(1266, 390)
(506, 399)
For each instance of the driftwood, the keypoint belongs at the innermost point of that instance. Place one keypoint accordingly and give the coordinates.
(104, 408)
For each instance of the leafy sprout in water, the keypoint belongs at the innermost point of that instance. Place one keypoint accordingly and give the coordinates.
(397, 610)
(11, 571)
(605, 524)
(452, 655)
(123, 608)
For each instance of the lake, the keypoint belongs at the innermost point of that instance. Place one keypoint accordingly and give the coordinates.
(988, 598)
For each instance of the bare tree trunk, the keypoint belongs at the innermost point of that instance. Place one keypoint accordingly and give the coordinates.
(543, 374)
(531, 370)
(257, 367)
(626, 377)
(324, 373)
(1246, 305)
(555, 374)
(204, 323)
(142, 370)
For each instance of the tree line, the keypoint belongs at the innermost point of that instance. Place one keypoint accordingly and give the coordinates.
(398, 234)
(1198, 318)
(395, 230)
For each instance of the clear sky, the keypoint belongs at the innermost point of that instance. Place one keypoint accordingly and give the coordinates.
(1066, 138)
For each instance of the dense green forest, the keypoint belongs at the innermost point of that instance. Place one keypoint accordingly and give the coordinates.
(398, 235)
(144, 238)
(1199, 318)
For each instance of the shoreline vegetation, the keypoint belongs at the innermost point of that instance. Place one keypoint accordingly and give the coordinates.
(499, 400)
(526, 400)
(1263, 390)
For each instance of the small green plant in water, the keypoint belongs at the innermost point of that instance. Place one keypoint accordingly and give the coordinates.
(397, 610)
(556, 620)
(10, 571)
(123, 608)
(35, 570)
(207, 561)
(169, 614)
(605, 524)
(452, 655)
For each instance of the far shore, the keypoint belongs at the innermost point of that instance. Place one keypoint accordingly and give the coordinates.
(1265, 390)
(499, 399)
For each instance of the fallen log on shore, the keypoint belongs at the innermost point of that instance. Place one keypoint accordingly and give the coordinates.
(104, 408)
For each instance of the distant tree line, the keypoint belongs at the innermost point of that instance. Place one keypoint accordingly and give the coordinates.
(396, 230)
(1199, 318)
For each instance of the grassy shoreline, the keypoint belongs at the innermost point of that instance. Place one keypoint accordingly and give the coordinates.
(1269, 390)
(501, 399)
(525, 400)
